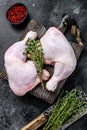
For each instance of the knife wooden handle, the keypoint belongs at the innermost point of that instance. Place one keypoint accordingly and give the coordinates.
(36, 123)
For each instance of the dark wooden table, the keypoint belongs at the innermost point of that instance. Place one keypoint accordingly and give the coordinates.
(16, 111)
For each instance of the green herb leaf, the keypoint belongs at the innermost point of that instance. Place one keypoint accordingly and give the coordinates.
(35, 50)
(66, 109)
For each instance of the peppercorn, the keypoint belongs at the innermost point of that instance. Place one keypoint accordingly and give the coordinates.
(16, 13)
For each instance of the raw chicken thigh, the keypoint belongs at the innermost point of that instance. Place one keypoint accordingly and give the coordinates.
(22, 76)
(58, 52)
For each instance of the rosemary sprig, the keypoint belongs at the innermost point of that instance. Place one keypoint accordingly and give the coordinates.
(66, 109)
(34, 49)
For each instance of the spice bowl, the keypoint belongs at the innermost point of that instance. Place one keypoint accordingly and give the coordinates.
(17, 14)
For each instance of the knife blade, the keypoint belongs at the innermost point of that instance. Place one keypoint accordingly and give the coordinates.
(43, 118)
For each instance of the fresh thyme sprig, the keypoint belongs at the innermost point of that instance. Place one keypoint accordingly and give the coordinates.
(66, 109)
(34, 49)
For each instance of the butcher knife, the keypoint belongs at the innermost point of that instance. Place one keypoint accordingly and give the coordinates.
(43, 118)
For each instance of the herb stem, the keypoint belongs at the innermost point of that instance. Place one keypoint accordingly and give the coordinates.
(66, 109)
(35, 50)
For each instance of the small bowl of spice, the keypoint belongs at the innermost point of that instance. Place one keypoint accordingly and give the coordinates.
(16, 14)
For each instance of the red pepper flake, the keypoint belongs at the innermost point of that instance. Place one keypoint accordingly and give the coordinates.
(16, 13)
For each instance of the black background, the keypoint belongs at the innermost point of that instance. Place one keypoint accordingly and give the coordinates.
(16, 111)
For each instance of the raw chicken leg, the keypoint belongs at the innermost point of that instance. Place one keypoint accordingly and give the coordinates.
(58, 52)
(22, 76)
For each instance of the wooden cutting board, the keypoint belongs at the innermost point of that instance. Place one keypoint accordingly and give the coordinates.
(38, 91)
